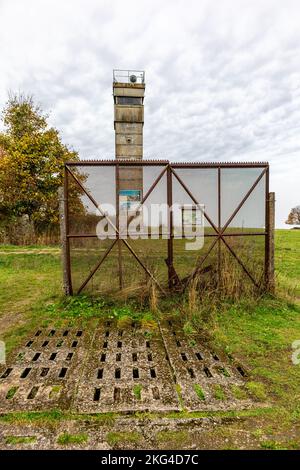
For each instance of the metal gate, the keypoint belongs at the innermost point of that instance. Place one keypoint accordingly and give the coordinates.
(235, 204)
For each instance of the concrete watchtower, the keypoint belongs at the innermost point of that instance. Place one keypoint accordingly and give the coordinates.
(128, 93)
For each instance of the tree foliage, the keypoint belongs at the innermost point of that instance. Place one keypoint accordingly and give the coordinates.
(294, 216)
(32, 159)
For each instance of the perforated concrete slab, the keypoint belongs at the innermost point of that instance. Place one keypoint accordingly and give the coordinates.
(44, 372)
(205, 380)
(111, 368)
(127, 370)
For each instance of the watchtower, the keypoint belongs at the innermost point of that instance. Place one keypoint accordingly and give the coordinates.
(128, 93)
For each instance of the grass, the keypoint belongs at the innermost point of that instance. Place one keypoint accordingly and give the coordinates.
(172, 438)
(137, 390)
(14, 440)
(68, 439)
(219, 393)
(259, 332)
(117, 438)
(199, 392)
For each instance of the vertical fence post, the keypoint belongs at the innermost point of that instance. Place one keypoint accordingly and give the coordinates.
(219, 228)
(65, 248)
(271, 243)
(170, 226)
(120, 256)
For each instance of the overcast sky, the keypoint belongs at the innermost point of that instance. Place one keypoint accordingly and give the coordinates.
(222, 77)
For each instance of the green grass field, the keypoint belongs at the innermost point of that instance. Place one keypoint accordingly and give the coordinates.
(260, 332)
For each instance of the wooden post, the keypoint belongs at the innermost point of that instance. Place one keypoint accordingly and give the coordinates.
(271, 264)
(64, 242)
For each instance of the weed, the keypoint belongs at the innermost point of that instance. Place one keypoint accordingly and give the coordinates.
(14, 440)
(219, 393)
(115, 438)
(199, 392)
(137, 390)
(67, 439)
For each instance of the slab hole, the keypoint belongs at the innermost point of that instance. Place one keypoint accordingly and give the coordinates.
(119, 345)
(74, 344)
(32, 393)
(152, 373)
(65, 333)
(44, 371)
(29, 344)
(147, 344)
(105, 345)
(52, 333)
(133, 324)
(150, 357)
(174, 333)
(79, 333)
(120, 333)
(100, 374)
(20, 356)
(241, 371)
(45, 343)
(184, 357)
(134, 357)
(108, 323)
(199, 356)
(118, 357)
(207, 372)
(216, 357)
(69, 356)
(97, 393)
(117, 394)
(36, 356)
(63, 372)
(103, 357)
(135, 373)
(118, 373)
(178, 343)
(191, 372)
(170, 323)
(6, 373)
(38, 333)
(107, 334)
(25, 372)
(155, 393)
(52, 356)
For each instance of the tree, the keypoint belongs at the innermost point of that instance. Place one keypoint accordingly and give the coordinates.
(32, 159)
(294, 216)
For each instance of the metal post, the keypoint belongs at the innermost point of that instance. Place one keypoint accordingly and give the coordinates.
(120, 260)
(219, 227)
(64, 232)
(271, 244)
(267, 230)
(170, 226)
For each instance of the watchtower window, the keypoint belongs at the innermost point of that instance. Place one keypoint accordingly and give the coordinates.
(131, 100)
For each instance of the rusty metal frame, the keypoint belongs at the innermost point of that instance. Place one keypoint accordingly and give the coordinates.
(169, 168)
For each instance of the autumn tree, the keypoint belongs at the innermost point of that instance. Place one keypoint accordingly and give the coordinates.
(294, 216)
(32, 158)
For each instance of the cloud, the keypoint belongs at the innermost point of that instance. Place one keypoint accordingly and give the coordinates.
(222, 78)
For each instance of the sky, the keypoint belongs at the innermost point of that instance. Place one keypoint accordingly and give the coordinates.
(222, 77)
